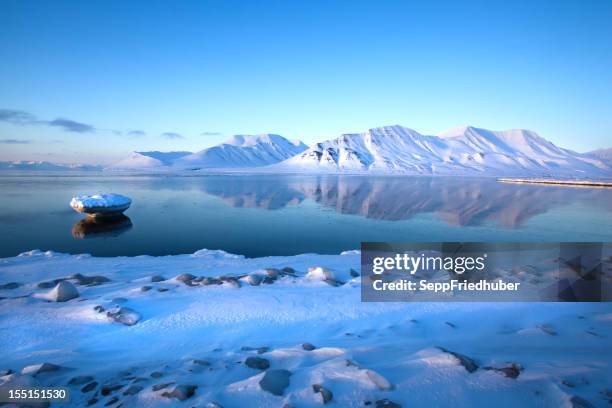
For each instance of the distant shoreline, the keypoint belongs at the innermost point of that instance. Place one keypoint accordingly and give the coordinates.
(573, 183)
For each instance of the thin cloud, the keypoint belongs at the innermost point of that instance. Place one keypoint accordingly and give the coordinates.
(17, 117)
(172, 135)
(210, 133)
(23, 118)
(72, 126)
(136, 133)
(14, 141)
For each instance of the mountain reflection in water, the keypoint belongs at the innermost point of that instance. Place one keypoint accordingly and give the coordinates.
(460, 202)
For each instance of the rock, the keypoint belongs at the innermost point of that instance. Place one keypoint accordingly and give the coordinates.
(186, 278)
(62, 292)
(10, 285)
(157, 278)
(326, 394)
(80, 380)
(201, 362)
(579, 402)
(288, 270)
(254, 279)
(49, 284)
(92, 401)
(268, 280)
(322, 274)
(109, 389)
(111, 401)
(158, 387)
(99, 309)
(157, 374)
(162, 289)
(385, 403)
(124, 315)
(133, 390)
(146, 288)
(272, 273)
(451, 325)
(275, 381)
(37, 369)
(89, 387)
(380, 381)
(308, 346)
(211, 281)
(181, 392)
(512, 371)
(354, 273)
(8, 371)
(469, 364)
(257, 363)
(231, 281)
(89, 280)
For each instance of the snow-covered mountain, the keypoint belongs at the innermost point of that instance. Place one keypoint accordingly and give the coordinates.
(604, 155)
(461, 151)
(147, 160)
(240, 151)
(45, 166)
(243, 151)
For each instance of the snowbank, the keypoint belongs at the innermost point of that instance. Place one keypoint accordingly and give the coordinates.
(151, 331)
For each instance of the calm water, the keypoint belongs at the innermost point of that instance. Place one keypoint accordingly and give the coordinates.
(272, 215)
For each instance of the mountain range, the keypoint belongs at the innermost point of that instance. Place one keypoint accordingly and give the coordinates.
(465, 150)
(460, 151)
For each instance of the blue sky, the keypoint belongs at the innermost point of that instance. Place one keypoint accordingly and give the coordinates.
(90, 81)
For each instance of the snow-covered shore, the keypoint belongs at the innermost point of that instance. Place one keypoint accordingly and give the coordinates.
(236, 328)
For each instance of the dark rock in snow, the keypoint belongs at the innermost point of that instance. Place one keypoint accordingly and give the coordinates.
(385, 403)
(10, 285)
(81, 379)
(146, 288)
(308, 346)
(132, 390)
(288, 270)
(109, 389)
(111, 401)
(181, 392)
(92, 401)
(89, 280)
(512, 371)
(275, 381)
(162, 289)
(5, 372)
(157, 278)
(233, 282)
(326, 394)
(257, 363)
(158, 387)
(354, 273)
(157, 374)
(211, 281)
(89, 387)
(99, 309)
(186, 278)
(469, 364)
(49, 284)
(547, 329)
(124, 315)
(201, 362)
(579, 402)
(254, 279)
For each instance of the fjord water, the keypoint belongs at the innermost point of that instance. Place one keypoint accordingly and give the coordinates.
(260, 215)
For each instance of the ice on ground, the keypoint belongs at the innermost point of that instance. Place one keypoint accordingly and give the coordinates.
(100, 201)
(197, 337)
